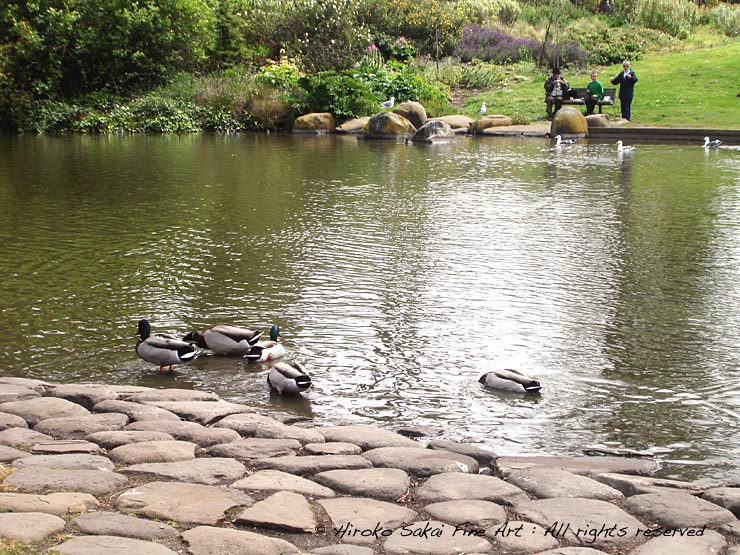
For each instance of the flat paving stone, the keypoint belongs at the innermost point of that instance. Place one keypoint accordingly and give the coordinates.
(420, 431)
(73, 462)
(726, 497)
(38, 385)
(135, 411)
(367, 437)
(269, 480)
(111, 440)
(89, 395)
(10, 393)
(256, 448)
(677, 510)
(171, 394)
(388, 484)
(634, 485)
(588, 522)
(573, 551)
(211, 471)
(246, 423)
(182, 502)
(207, 540)
(8, 420)
(110, 545)
(343, 549)
(332, 448)
(454, 486)
(516, 536)
(34, 411)
(586, 466)
(475, 512)
(709, 543)
(187, 431)
(8, 454)
(362, 520)
(284, 510)
(312, 464)
(555, 482)
(202, 412)
(22, 437)
(431, 537)
(421, 462)
(77, 427)
(65, 447)
(482, 455)
(40, 479)
(29, 527)
(59, 503)
(115, 524)
(153, 451)
(284, 431)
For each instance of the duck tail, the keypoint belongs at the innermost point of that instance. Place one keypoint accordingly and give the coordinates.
(186, 353)
(254, 354)
(255, 338)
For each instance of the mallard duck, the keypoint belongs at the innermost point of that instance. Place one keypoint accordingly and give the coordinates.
(224, 339)
(510, 380)
(559, 141)
(288, 377)
(622, 148)
(263, 351)
(162, 348)
(711, 144)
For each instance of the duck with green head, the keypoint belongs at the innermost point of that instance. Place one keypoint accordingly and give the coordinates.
(225, 339)
(264, 351)
(162, 349)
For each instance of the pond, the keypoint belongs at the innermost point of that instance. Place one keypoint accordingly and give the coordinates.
(398, 275)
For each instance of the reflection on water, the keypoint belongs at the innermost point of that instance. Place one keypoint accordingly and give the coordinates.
(398, 275)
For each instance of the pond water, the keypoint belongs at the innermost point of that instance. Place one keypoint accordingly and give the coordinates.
(398, 274)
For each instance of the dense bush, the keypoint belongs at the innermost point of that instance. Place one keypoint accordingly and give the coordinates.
(726, 18)
(485, 12)
(675, 17)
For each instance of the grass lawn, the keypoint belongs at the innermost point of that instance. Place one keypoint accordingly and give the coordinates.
(698, 88)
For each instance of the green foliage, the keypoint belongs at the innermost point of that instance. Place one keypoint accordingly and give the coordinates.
(675, 17)
(487, 12)
(475, 76)
(346, 95)
(726, 18)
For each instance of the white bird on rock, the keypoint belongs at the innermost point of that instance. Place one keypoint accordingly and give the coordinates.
(482, 109)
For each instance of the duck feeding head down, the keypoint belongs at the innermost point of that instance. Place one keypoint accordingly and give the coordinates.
(288, 377)
(510, 380)
(224, 339)
(162, 349)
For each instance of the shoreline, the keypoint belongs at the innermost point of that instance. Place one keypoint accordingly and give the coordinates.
(163, 471)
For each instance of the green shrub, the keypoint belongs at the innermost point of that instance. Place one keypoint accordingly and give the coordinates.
(675, 17)
(726, 19)
(487, 12)
(346, 95)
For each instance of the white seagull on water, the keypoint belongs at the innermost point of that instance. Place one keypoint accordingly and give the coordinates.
(388, 103)
(622, 148)
(711, 144)
(559, 141)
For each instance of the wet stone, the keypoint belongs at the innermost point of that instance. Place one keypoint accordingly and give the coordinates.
(361, 520)
(246, 423)
(554, 482)
(202, 412)
(432, 537)
(8, 454)
(153, 451)
(77, 427)
(187, 431)
(256, 448)
(110, 545)
(10, 393)
(181, 502)
(635, 485)
(22, 437)
(421, 462)
(587, 466)
(34, 411)
(677, 510)
(135, 411)
(726, 497)
(40, 479)
(483, 456)
(420, 431)
(311, 464)
(37, 385)
(171, 395)
(206, 540)
(520, 537)
(88, 395)
(72, 462)
(269, 480)
(115, 524)
(332, 448)
(454, 486)
(388, 484)
(367, 437)
(29, 527)
(283, 431)
(343, 549)
(11, 421)
(209, 471)
(59, 503)
(111, 440)
(709, 543)
(284, 510)
(65, 447)
(475, 512)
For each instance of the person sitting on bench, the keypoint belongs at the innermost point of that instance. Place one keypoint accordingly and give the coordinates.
(594, 93)
(555, 86)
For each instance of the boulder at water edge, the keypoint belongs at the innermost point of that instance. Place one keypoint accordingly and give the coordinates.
(316, 124)
(387, 125)
(569, 122)
(486, 122)
(412, 111)
(598, 120)
(433, 132)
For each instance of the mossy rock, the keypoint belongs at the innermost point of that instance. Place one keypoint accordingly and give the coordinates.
(486, 122)
(353, 125)
(412, 111)
(598, 120)
(434, 131)
(387, 125)
(569, 122)
(315, 123)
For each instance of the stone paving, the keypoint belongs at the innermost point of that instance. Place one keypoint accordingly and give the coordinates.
(96, 469)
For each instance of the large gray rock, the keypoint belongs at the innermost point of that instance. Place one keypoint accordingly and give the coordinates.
(65, 447)
(332, 448)
(361, 520)
(367, 437)
(199, 471)
(207, 540)
(588, 522)
(387, 125)
(482, 455)
(22, 437)
(314, 124)
(72, 462)
(111, 440)
(726, 497)
(60, 503)
(456, 121)
(275, 480)
(115, 524)
(187, 431)
(10, 393)
(36, 385)
(554, 482)
(412, 111)
(89, 395)
(110, 545)
(258, 425)
(515, 536)
(475, 512)
(171, 395)
(481, 125)
(676, 543)
(388, 484)
(256, 448)
(284, 510)
(432, 537)
(136, 411)
(11, 421)
(29, 527)
(312, 464)
(421, 462)
(181, 502)
(677, 510)
(40, 479)
(34, 411)
(454, 486)
(587, 466)
(77, 427)
(8, 454)
(353, 125)
(203, 412)
(153, 451)
(569, 122)
(635, 485)
(246, 424)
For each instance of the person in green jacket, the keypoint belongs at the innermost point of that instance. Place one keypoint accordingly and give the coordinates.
(594, 93)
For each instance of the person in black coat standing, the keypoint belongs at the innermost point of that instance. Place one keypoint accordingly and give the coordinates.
(626, 80)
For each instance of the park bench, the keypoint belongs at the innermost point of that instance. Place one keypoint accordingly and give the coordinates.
(578, 95)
